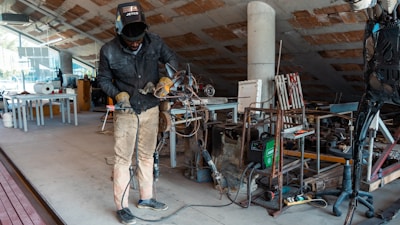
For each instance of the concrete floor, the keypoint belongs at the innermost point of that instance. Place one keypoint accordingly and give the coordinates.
(67, 165)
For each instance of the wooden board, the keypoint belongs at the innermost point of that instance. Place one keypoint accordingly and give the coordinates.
(84, 98)
(372, 186)
(323, 157)
(330, 179)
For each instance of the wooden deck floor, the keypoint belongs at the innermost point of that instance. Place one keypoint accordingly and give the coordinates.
(18, 202)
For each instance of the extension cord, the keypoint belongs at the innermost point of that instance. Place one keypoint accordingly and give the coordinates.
(297, 200)
(303, 199)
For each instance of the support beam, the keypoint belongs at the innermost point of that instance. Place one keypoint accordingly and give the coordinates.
(309, 155)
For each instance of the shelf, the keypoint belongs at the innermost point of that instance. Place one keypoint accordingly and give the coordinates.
(297, 134)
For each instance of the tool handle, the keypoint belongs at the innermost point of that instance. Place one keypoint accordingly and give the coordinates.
(156, 169)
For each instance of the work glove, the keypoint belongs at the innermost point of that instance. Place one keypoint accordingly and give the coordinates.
(149, 88)
(123, 105)
(163, 87)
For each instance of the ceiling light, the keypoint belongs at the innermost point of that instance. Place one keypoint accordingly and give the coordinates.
(52, 41)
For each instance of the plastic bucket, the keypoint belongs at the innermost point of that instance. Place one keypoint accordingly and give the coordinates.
(7, 120)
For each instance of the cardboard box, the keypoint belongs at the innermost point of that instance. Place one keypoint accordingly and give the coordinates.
(46, 110)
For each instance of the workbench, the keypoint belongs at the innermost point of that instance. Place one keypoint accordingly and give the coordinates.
(22, 102)
(318, 119)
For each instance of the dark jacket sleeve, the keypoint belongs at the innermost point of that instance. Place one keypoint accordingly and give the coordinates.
(169, 56)
(105, 75)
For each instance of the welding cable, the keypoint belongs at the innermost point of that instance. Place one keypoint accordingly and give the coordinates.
(177, 77)
(258, 165)
(240, 184)
(180, 209)
(196, 205)
(192, 113)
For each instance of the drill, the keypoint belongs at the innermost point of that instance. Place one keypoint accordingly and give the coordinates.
(156, 169)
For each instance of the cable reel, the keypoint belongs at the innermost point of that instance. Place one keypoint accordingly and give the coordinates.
(165, 123)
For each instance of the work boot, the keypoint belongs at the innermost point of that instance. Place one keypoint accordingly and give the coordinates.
(125, 216)
(152, 204)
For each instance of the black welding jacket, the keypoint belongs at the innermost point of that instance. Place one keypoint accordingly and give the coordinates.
(121, 70)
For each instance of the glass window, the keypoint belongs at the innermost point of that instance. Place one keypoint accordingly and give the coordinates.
(25, 61)
(9, 60)
(81, 69)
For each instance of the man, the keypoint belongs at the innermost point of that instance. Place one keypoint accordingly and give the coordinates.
(127, 64)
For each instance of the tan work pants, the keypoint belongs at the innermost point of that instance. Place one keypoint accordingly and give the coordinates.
(126, 128)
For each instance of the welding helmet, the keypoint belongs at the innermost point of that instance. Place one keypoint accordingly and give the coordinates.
(130, 21)
(389, 5)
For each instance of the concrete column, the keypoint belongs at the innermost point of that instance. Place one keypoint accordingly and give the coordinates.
(261, 47)
(66, 62)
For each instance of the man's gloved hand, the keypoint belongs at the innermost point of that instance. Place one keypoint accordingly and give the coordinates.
(123, 103)
(149, 88)
(163, 87)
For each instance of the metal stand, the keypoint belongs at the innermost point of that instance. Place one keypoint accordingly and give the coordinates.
(297, 133)
(375, 173)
